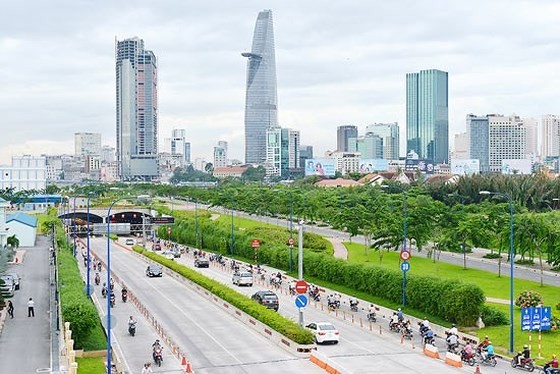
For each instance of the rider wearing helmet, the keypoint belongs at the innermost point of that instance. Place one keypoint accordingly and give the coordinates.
(453, 330)
(524, 356)
(551, 366)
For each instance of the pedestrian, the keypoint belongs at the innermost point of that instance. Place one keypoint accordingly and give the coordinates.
(31, 308)
(147, 369)
(10, 309)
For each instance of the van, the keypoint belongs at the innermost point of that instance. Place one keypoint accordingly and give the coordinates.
(242, 278)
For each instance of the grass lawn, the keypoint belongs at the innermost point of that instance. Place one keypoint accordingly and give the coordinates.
(91, 365)
(244, 223)
(96, 340)
(491, 284)
(500, 336)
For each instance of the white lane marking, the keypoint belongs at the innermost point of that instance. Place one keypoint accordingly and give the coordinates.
(189, 318)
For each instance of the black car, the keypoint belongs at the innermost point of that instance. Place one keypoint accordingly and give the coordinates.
(154, 271)
(266, 298)
(201, 262)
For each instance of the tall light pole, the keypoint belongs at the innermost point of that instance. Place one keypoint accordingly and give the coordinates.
(232, 234)
(108, 283)
(88, 292)
(196, 221)
(511, 261)
(461, 198)
(405, 234)
(74, 227)
(300, 263)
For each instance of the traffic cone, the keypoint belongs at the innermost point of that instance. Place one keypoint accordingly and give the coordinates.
(477, 370)
(184, 361)
(188, 369)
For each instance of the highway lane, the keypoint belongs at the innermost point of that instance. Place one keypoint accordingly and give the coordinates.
(359, 351)
(214, 341)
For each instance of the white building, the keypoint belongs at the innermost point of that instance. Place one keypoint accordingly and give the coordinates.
(177, 145)
(550, 127)
(507, 140)
(3, 229)
(346, 162)
(389, 134)
(26, 173)
(87, 143)
(273, 163)
(107, 154)
(24, 227)
(109, 173)
(461, 148)
(220, 155)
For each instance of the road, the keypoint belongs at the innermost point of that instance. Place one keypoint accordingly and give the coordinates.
(475, 262)
(360, 350)
(214, 341)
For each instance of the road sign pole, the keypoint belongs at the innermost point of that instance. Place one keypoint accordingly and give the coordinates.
(300, 264)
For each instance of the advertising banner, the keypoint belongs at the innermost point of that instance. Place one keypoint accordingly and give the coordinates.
(325, 167)
(424, 166)
(465, 167)
(373, 164)
(523, 166)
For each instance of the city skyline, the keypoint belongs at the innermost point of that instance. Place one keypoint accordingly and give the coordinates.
(333, 67)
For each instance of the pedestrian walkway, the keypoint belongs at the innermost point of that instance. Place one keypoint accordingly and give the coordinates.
(340, 250)
(25, 341)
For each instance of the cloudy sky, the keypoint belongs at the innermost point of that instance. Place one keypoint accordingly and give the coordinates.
(340, 62)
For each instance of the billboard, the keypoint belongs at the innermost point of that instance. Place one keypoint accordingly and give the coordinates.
(465, 167)
(373, 164)
(523, 166)
(424, 166)
(325, 167)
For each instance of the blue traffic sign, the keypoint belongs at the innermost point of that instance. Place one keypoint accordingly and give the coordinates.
(538, 318)
(405, 266)
(301, 301)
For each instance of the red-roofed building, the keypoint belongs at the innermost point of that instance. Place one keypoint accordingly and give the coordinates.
(230, 171)
(339, 182)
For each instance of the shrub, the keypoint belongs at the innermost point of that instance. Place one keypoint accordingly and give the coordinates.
(528, 299)
(492, 255)
(492, 316)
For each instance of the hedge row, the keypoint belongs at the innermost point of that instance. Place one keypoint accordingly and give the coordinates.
(452, 300)
(75, 306)
(267, 316)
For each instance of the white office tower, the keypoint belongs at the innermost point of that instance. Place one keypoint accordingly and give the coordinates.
(177, 145)
(87, 144)
(220, 156)
(550, 135)
(461, 146)
(508, 137)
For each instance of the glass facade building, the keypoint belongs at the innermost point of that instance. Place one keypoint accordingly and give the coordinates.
(478, 140)
(343, 133)
(427, 119)
(137, 111)
(261, 101)
(389, 133)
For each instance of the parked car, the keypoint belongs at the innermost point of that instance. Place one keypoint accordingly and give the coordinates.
(129, 241)
(242, 278)
(154, 271)
(8, 287)
(201, 262)
(267, 298)
(324, 332)
(16, 278)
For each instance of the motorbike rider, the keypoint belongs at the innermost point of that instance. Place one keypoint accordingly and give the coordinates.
(468, 351)
(354, 303)
(124, 294)
(453, 330)
(371, 311)
(424, 325)
(292, 287)
(394, 320)
(112, 284)
(523, 356)
(452, 342)
(400, 315)
(483, 344)
(104, 290)
(97, 278)
(428, 336)
(331, 301)
(112, 299)
(131, 323)
(487, 352)
(155, 347)
(551, 367)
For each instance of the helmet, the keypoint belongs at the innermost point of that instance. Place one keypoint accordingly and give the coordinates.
(489, 343)
(453, 325)
(486, 337)
(399, 309)
(525, 346)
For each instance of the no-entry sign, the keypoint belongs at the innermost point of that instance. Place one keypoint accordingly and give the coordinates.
(256, 243)
(301, 286)
(405, 255)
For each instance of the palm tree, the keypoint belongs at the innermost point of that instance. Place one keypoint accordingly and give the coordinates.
(13, 241)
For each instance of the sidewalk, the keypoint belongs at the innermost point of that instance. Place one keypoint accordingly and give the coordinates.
(25, 341)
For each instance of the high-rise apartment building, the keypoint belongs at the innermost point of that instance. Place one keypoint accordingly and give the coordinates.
(370, 146)
(478, 140)
(137, 111)
(343, 133)
(427, 119)
(389, 134)
(461, 146)
(261, 99)
(550, 135)
(305, 153)
(220, 156)
(177, 145)
(87, 143)
(293, 149)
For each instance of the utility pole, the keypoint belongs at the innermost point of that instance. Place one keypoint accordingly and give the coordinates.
(300, 264)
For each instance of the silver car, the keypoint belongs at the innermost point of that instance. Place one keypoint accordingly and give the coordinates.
(15, 277)
(8, 287)
(242, 278)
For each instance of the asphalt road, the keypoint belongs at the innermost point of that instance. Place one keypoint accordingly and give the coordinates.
(214, 341)
(360, 350)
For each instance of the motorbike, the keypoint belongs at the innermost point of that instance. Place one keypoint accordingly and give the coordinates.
(104, 292)
(354, 307)
(371, 317)
(526, 364)
(468, 358)
(99, 266)
(132, 328)
(333, 305)
(292, 291)
(554, 370)
(112, 300)
(124, 296)
(453, 348)
(97, 279)
(429, 340)
(489, 360)
(394, 327)
(407, 333)
(158, 357)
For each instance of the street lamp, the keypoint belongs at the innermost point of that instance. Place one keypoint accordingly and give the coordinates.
(461, 198)
(232, 233)
(196, 221)
(108, 283)
(511, 261)
(405, 233)
(88, 292)
(74, 227)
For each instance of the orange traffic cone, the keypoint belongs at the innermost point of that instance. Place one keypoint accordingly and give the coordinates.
(188, 369)
(184, 361)
(477, 371)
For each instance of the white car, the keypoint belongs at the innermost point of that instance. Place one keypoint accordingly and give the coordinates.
(324, 332)
(242, 278)
(168, 255)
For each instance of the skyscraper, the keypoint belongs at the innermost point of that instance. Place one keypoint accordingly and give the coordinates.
(389, 133)
(137, 111)
(261, 102)
(478, 132)
(343, 133)
(427, 120)
(551, 135)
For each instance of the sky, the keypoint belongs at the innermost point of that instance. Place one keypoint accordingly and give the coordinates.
(338, 62)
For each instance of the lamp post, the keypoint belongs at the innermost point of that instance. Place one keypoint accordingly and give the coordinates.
(461, 198)
(511, 261)
(74, 227)
(108, 283)
(405, 234)
(88, 292)
(291, 228)
(196, 221)
(232, 234)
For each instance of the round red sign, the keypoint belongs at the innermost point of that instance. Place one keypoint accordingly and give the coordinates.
(291, 241)
(301, 286)
(255, 243)
(405, 255)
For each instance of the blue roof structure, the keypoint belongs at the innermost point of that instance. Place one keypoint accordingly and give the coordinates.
(26, 219)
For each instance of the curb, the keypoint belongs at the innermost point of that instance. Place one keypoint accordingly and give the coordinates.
(326, 364)
(3, 315)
